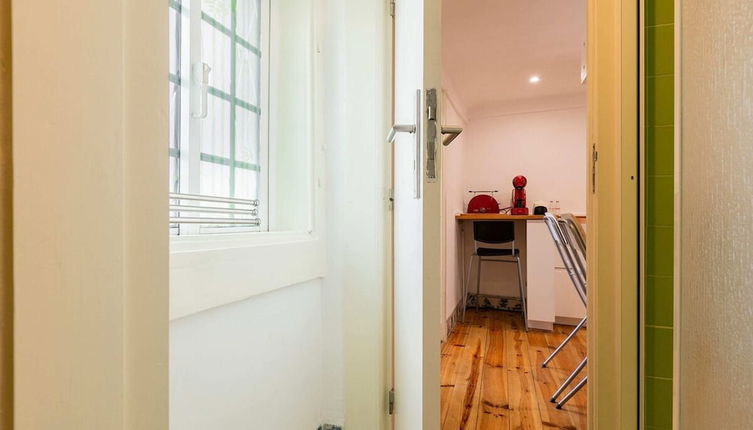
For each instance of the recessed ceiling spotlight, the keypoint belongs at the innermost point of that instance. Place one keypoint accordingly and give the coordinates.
(534, 79)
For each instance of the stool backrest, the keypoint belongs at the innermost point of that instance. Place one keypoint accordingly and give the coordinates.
(494, 231)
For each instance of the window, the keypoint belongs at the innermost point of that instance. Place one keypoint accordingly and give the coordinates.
(218, 113)
(243, 128)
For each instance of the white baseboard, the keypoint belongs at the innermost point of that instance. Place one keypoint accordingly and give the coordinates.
(541, 325)
(549, 326)
(567, 320)
(452, 320)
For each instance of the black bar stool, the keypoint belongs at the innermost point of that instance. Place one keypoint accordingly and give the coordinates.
(498, 234)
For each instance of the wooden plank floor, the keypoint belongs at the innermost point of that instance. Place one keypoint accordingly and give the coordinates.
(492, 377)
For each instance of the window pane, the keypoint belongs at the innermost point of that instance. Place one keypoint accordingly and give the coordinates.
(246, 184)
(218, 10)
(247, 136)
(215, 179)
(249, 22)
(215, 51)
(247, 73)
(215, 128)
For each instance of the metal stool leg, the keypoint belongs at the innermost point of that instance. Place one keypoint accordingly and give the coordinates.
(564, 342)
(572, 392)
(522, 293)
(478, 281)
(465, 287)
(569, 380)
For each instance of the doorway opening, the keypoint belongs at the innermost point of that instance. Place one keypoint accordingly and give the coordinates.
(514, 78)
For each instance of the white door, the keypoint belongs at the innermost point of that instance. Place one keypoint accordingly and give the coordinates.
(417, 216)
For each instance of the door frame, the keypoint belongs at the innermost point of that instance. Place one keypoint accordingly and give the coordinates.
(613, 214)
(6, 221)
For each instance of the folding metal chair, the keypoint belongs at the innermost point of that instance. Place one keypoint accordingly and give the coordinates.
(572, 232)
(577, 229)
(569, 239)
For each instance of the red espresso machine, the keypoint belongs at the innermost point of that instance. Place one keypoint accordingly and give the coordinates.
(519, 196)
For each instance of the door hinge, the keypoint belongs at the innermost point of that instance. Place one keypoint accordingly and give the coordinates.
(390, 198)
(392, 8)
(594, 159)
(391, 402)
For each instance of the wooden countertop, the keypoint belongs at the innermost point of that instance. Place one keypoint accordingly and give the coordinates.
(503, 217)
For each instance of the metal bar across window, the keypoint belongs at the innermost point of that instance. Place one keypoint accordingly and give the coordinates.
(232, 98)
(208, 209)
(216, 159)
(229, 32)
(221, 94)
(238, 211)
(223, 221)
(221, 28)
(214, 199)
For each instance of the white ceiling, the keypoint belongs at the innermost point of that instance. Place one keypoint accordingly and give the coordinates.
(490, 49)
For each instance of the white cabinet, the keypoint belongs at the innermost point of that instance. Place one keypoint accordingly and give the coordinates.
(542, 257)
(551, 295)
(568, 307)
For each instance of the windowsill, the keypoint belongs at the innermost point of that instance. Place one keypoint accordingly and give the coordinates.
(209, 242)
(207, 271)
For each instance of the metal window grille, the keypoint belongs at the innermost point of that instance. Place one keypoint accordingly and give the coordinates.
(210, 210)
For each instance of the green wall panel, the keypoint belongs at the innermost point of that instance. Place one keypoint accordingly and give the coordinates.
(659, 50)
(660, 100)
(659, 12)
(659, 301)
(659, 213)
(659, 409)
(660, 150)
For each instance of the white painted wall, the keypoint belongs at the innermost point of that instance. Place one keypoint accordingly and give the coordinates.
(250, 364)
(544, 142)
(454, 113)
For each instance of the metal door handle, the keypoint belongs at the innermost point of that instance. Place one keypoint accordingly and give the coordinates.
(453, 132)
(400, 128)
